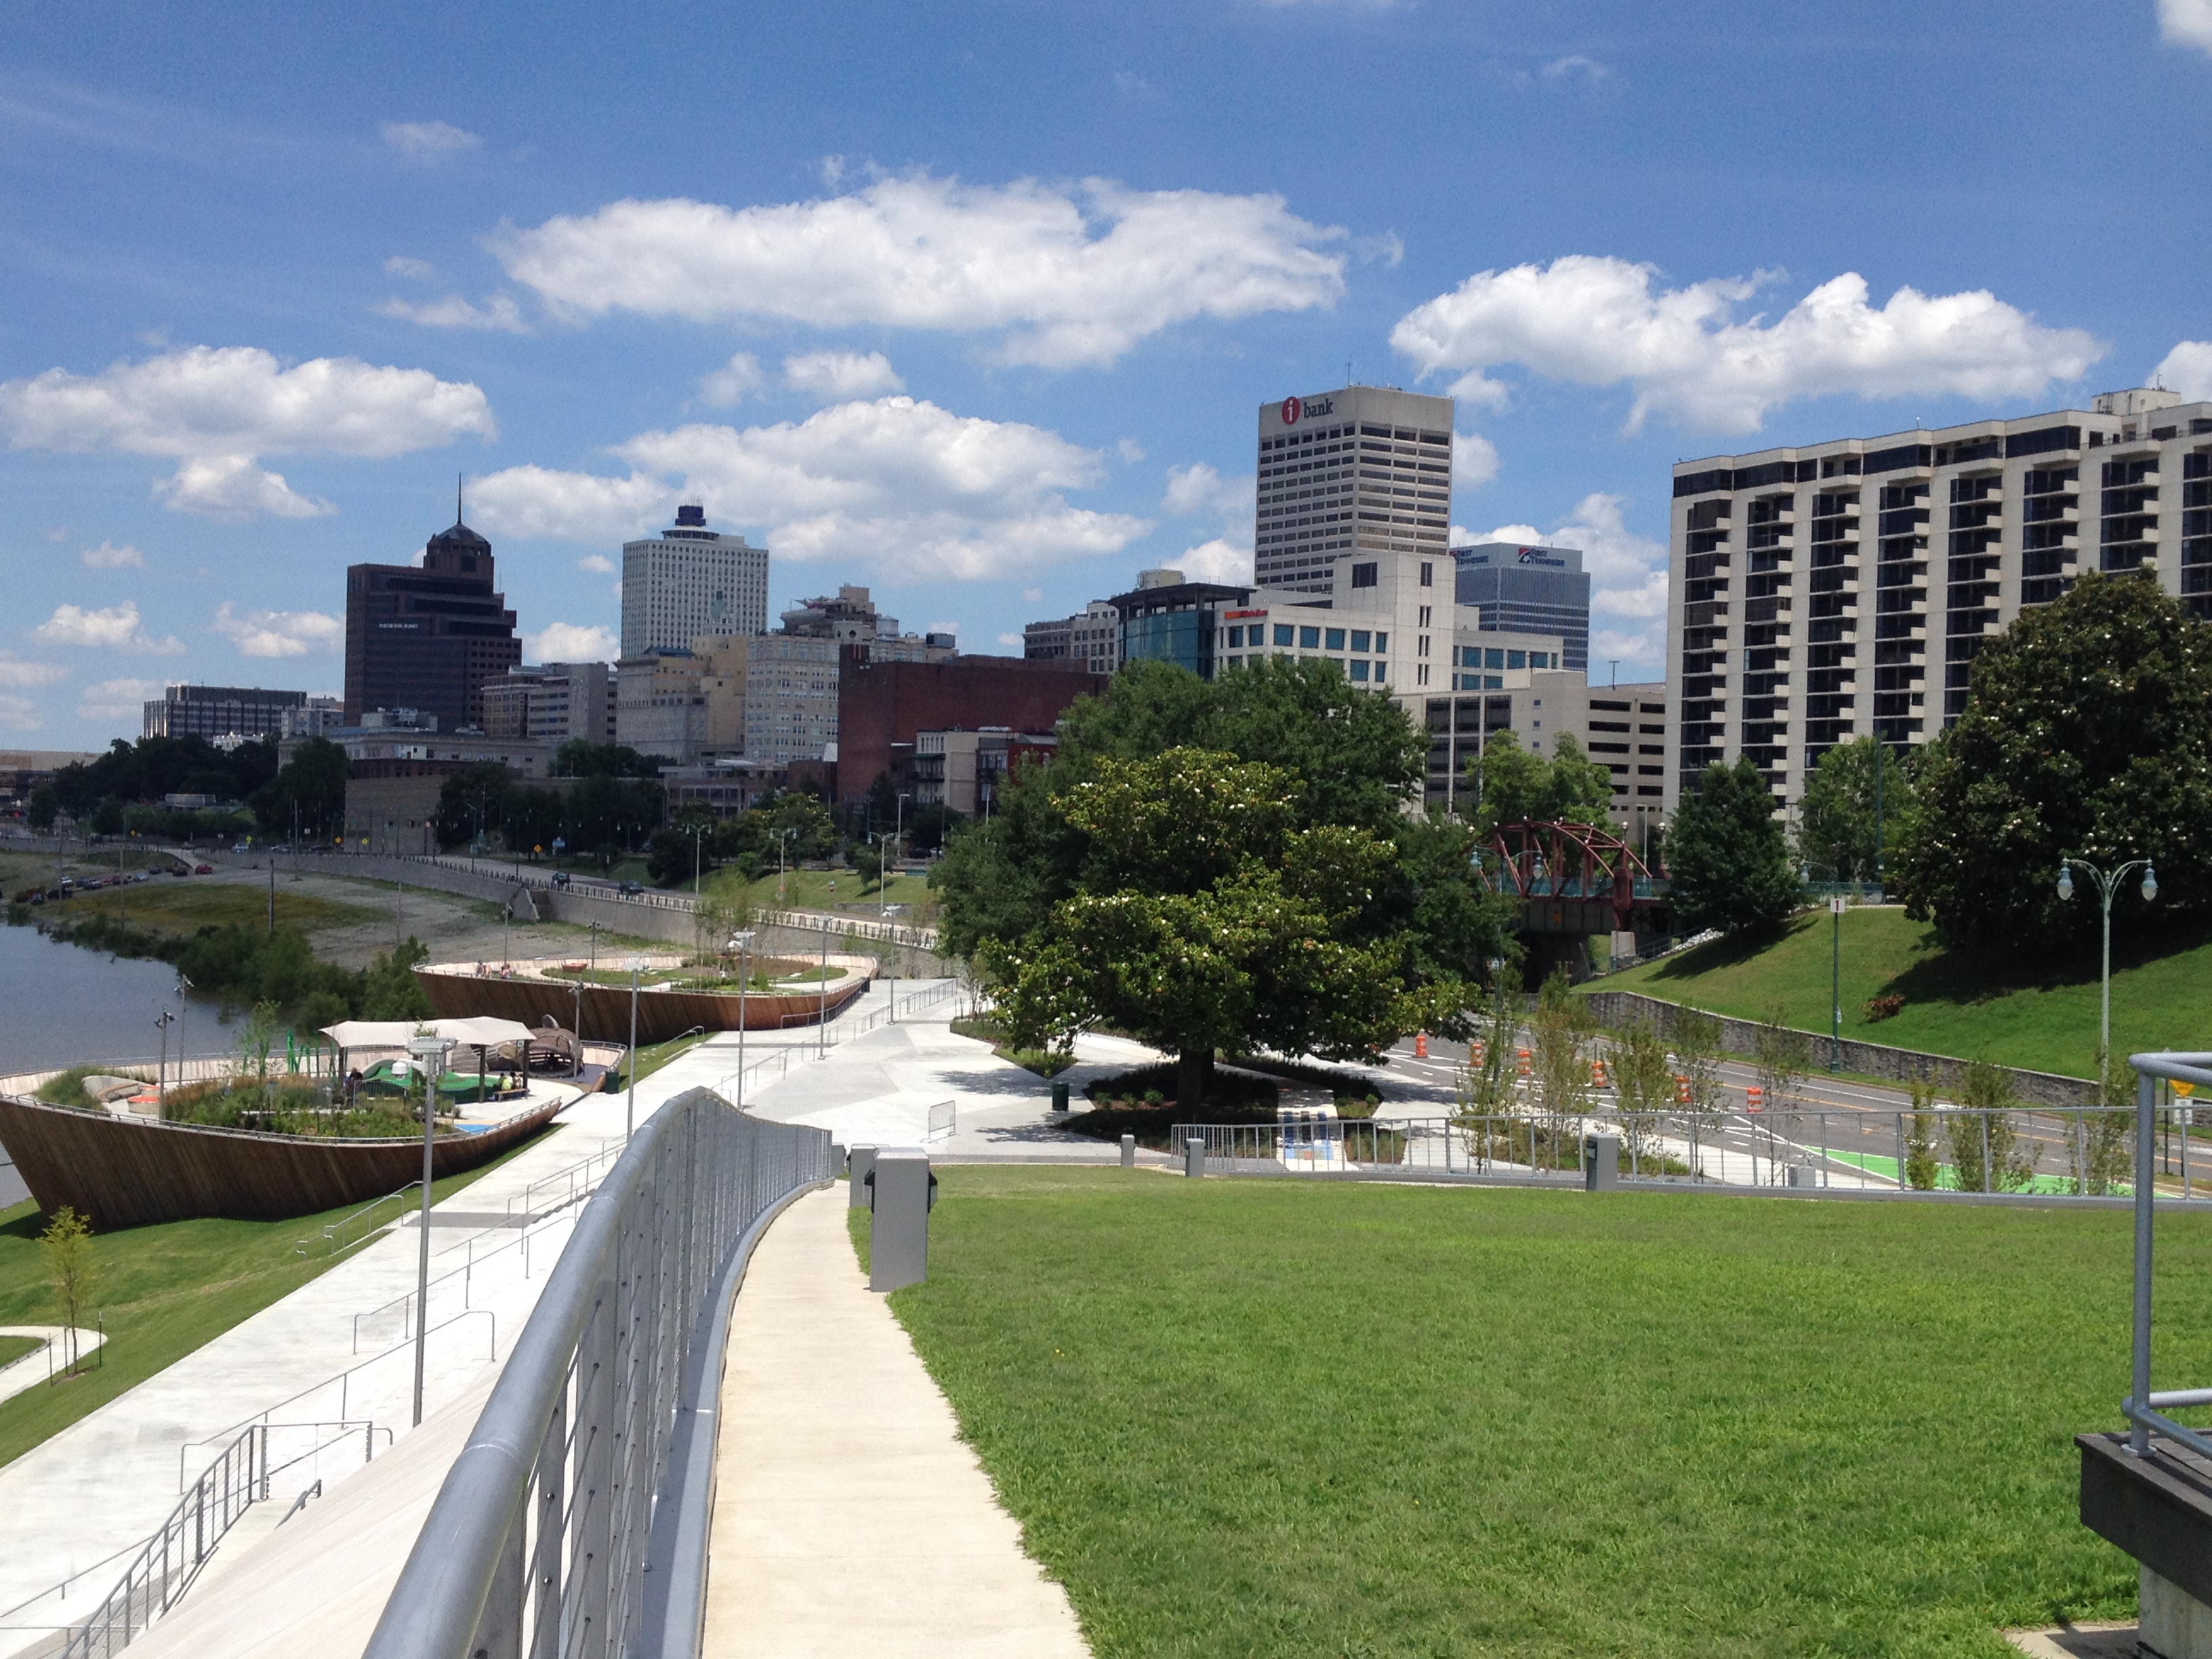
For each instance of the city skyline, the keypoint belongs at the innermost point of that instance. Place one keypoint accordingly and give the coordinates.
(991, 347)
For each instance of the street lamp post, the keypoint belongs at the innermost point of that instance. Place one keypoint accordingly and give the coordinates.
(429, 1052)
(2106, 885)
(630, 1111)
(697, 831)
(164, 1020)
(1836, 982)
(782, 840)
(742, 942)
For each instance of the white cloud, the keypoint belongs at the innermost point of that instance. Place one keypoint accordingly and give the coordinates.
(898, 483)
(117, 700)
(16, 672)
(1012, 641)
(1069, 276)
(2188, 367)
(1475, 461)
(2186, 22)
(428, 142)
(399, 265)
(18, 714)
(1131, 85)
(1575, 65)
(729, 384)
(833, 376)
(278, 633)
(1033, 596)
(233, 486)
(598, 564)
(499, 311)
(217, 409)
(1628, 574)
(1198, 491)
(1598, 321)
(108, 556)
(1215, 560)
(115, 628)
(1130, 450)
(572, 642)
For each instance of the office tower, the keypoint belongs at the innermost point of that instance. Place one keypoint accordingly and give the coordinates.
(429, 636)
(1364, 468)
(554, 701)
(690, 581)
(220, 711)
(1827, 591)
(1528, 590)
(1092, 637)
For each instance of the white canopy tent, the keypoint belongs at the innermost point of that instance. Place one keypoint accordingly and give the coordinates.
(480, 1032)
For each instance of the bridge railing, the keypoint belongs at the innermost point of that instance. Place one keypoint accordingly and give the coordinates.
(573, 1523)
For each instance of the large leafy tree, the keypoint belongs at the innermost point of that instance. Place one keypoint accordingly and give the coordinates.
(1856, 787)
(1205, 917)
(2089, 732)
(1727, 861)
(1511, 784)
(308, 794)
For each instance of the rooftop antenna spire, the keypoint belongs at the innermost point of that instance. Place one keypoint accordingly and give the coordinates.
(457, 498)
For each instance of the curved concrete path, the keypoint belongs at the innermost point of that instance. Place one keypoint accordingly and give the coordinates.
(32, 1369)
(848, 1515)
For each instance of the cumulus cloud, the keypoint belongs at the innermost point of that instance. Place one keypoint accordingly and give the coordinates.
(499, 311)
(1574, 66)
(1033, 595)
(2186, 22)
(1218, 560)
(1475, 461)
(572, 642)
(420, 270)
(108, 556)
(733, 382)
(13, 672)
(1014, 642)
(1198, 491)
(278, 633)
(898, 483)
(115, 628)
(598, 564)
(1599, 321)
(428, 142)
(117, 700)
(2188, 367)
(1628, 574)
(218, 410)
(18, 713)
(1067, 277)
(833, 376)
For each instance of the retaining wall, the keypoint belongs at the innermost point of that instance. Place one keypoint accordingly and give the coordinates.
(1741, 1036)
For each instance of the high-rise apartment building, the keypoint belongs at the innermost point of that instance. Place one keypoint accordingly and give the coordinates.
(1828, 591)
(1361, 469)
(1528, 590)
(689, 580)
(428, 636)
(554, 701)
(220, 711)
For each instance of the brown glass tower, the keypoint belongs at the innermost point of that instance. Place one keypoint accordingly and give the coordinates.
(428, 636)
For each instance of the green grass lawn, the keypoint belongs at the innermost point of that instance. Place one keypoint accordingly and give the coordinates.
(13, 1348)
(168, 906)
(1268, 1417)
(2020, 1008)
(165, 1290)
(810, 890)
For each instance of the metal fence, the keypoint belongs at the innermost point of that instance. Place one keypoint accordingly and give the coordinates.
(2057, 1151)
(590, 1454)
(2145, 1408)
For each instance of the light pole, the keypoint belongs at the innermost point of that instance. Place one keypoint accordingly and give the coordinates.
(183, 986)
(164, 1020)
(630, 1111)
(1835, 967)
(2106, 885)
(429, 1053)
(697, 830)
(742, 942)
(822, 1017)
(782, 840)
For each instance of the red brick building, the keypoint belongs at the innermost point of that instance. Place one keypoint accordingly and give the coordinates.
(881, 705)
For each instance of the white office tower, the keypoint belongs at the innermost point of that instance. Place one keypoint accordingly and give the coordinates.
(688, 581)
(1363, 469)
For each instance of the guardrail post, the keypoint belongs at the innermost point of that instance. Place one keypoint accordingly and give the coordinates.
(1128, 1151)
(499, 1630)
(862, 1161)
(546, 1497)
(592, 1528)
(2146, 1155)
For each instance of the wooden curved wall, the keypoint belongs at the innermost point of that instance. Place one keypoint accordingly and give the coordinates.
(660, 1014)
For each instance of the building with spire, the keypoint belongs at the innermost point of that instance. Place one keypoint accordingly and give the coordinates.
(428, 636)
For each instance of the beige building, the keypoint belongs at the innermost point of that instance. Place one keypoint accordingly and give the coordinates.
(659, 708)
(1091, 637)
(689, 580)
(1363, 470)
(554, 701)
(1829, 591)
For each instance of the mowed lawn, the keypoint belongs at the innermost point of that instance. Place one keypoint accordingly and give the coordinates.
(1271, 1417)
(170, 905)
(2023, 1008)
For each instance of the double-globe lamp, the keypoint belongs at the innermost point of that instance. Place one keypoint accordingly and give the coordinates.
(2105, 884)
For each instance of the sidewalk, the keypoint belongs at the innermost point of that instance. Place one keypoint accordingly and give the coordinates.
(848, 1517)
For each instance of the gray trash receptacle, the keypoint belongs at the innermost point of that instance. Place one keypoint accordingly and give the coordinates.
(858, 1162)
(1128, 1151)
(1193, 1157)
(900, 1190)
(1803, 1175)
(1601, 1163)
(1058, 1096)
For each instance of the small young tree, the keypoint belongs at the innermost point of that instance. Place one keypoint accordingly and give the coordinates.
(2107, 1153)
(1696, 1036)
(1643, 1082)
(1558, 1031)
(1923, 1165)
(257, 1040)
(1986, 1148)
(67, 1245)
(1781, 1058)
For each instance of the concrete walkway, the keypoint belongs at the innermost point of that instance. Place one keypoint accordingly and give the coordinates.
(848, 1517)
(42, 1362)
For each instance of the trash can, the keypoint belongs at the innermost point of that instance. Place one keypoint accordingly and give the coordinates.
(1601, 1163)
(900, 1191)
(860, 1161)
(1060, 1096)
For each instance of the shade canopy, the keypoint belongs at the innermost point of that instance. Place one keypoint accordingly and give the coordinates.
(482, 1031)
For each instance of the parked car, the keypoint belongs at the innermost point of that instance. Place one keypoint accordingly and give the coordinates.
(242, 847)
(204, 869)
(632, 888)
(560, 877)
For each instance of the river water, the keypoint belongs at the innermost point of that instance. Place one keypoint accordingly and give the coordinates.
(64, 1005)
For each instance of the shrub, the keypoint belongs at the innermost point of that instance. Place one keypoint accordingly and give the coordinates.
(1886, 1006)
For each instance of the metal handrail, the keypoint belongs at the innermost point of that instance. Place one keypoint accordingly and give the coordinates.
(333, 1230)
(2144, 1417)
(539, 1540)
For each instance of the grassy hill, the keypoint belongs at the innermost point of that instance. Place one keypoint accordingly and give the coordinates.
(2027, 1008)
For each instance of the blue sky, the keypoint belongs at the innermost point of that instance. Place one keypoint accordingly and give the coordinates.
(974, 303)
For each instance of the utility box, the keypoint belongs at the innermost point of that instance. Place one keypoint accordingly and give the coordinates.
(1601, 1163)
(1193, 1157)
(900, 1191)
(1128, 1151)
(858, 1162)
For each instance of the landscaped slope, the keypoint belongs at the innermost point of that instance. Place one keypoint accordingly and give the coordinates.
(1291, 1418)
(2025, 1009)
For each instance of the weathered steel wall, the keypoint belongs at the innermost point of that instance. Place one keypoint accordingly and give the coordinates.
(606, 1013)
(130, 1172)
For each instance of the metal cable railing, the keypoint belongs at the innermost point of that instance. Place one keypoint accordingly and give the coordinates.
(2141, 1408)
(585, 1463)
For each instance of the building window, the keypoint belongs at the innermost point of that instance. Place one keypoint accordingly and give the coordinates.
(1382, 643)
(1236, 636)
(1309, 638)
(1358, 670)
(1335, 640)
(1363, 576)
(1360, 639)
(1428, 574)
(1421, 674)
(1282, 633)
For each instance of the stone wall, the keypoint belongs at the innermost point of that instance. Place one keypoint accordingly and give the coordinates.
(1741, 1036)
